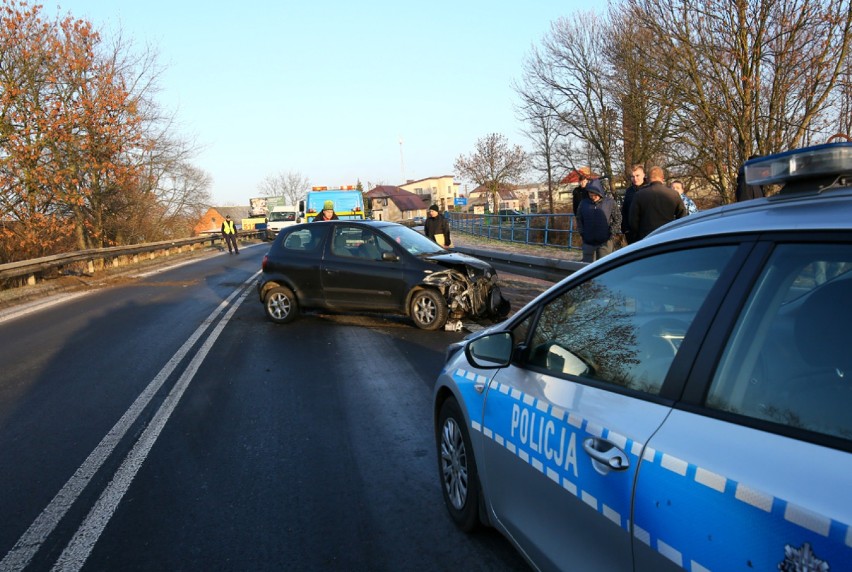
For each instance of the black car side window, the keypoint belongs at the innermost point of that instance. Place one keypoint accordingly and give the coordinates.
(789, 358)
(625, 326)
(302, 240)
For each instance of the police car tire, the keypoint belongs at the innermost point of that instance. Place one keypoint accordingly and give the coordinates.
(467, 517)
(428, 301)
(280, 305)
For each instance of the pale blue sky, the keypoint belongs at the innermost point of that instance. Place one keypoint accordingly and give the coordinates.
(328, 88)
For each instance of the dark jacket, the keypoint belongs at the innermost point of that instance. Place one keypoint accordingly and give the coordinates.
(577, 195)
(629, 193)
(598, 221)
(745, 192)
(652, 207)
(437, 225)
(319, 218)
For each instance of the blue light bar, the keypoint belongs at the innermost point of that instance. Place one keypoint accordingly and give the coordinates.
(808, 162)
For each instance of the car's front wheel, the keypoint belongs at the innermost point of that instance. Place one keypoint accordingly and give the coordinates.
(428, 310)
(457, 467)
(281, 305)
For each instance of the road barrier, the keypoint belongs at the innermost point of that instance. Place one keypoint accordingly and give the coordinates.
(30, 272)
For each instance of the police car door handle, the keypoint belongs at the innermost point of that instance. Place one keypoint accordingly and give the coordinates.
(606, 453)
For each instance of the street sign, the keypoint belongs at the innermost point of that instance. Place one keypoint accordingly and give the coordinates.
(460, 201)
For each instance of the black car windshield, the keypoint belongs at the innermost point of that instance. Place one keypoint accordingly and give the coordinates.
(411, 240)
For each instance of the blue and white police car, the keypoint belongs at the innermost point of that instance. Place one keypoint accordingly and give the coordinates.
(684, 403)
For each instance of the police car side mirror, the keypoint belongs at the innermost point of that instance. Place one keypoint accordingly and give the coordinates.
(490, 351)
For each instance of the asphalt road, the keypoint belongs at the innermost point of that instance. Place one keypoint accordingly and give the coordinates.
(161, 423)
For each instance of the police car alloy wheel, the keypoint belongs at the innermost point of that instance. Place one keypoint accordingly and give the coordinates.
(281, 306)
(457, 467)
(428, 310)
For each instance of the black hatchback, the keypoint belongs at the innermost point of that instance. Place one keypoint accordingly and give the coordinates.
(375, 266)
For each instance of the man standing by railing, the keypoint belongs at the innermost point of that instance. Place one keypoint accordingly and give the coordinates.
(598, 219)
(229, 233)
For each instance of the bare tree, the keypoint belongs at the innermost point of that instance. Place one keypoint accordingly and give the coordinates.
(292, 185)
(543, 133)
(568, 75)
(754, 76)
(493, 163)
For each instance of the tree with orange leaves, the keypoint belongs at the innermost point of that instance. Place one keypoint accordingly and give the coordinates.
(79, 166)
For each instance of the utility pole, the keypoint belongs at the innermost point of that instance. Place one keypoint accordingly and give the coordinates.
(401, 161)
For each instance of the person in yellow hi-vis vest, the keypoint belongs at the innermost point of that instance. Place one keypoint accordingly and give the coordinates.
(229, 233)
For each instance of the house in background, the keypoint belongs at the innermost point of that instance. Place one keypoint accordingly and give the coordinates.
(394, 204)
(480, 197)
(212, 220)
(441, 191)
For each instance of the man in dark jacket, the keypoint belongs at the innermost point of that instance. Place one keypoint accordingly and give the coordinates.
(436, 227)
(743, 191)
(580, 192)
(637, 176)
(654, 205)
(598, 219)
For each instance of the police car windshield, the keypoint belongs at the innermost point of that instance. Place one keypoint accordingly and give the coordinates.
(412, 241)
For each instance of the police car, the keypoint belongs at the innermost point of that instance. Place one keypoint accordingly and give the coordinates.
(684, 403)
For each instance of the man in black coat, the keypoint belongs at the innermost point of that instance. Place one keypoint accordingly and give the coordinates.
(436, 227)
(579, 193)
(654, 205)
(637, 176)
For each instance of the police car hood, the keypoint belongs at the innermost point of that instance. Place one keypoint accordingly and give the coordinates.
(458, 260)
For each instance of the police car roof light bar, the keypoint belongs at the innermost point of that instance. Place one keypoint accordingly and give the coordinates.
(830, 159)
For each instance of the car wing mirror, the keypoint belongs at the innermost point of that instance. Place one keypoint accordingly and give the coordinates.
(490, 351)
(390, 256)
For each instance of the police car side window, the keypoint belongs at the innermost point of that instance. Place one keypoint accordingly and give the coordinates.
(789, 358)
(625, 326)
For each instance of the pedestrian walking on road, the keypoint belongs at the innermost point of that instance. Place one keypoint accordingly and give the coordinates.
(229, 233)
(598, 220)
(436, 227)
(654, 205)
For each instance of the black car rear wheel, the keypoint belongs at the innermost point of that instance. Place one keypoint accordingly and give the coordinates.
(428, 310)
(281, 305)
(457, 467)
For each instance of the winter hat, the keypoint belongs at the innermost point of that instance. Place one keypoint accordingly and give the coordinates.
(328, 206)
(435, 208)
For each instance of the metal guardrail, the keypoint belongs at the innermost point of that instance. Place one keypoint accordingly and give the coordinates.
(29, 272)
(557, 230)
(542, 268)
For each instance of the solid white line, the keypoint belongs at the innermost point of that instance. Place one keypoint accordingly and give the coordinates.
(32, 307)
(31, 541)
(78, 550)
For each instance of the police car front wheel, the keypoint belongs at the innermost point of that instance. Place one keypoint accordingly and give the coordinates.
(457, 467)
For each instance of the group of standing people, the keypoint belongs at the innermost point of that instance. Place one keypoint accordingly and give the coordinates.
(646, 207)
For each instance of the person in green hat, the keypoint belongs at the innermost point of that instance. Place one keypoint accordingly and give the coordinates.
(327, 212)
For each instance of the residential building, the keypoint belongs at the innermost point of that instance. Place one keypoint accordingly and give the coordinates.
(394, 204)
(212, 220)
(441, 191)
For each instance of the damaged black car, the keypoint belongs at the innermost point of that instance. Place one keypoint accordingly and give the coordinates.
(375, 266)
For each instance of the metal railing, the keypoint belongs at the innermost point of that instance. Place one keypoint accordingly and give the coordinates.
(537, 229)
(29, 272)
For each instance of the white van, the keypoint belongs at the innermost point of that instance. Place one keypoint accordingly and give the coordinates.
(280, 217)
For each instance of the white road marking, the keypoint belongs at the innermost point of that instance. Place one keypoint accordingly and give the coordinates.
(31, 541)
